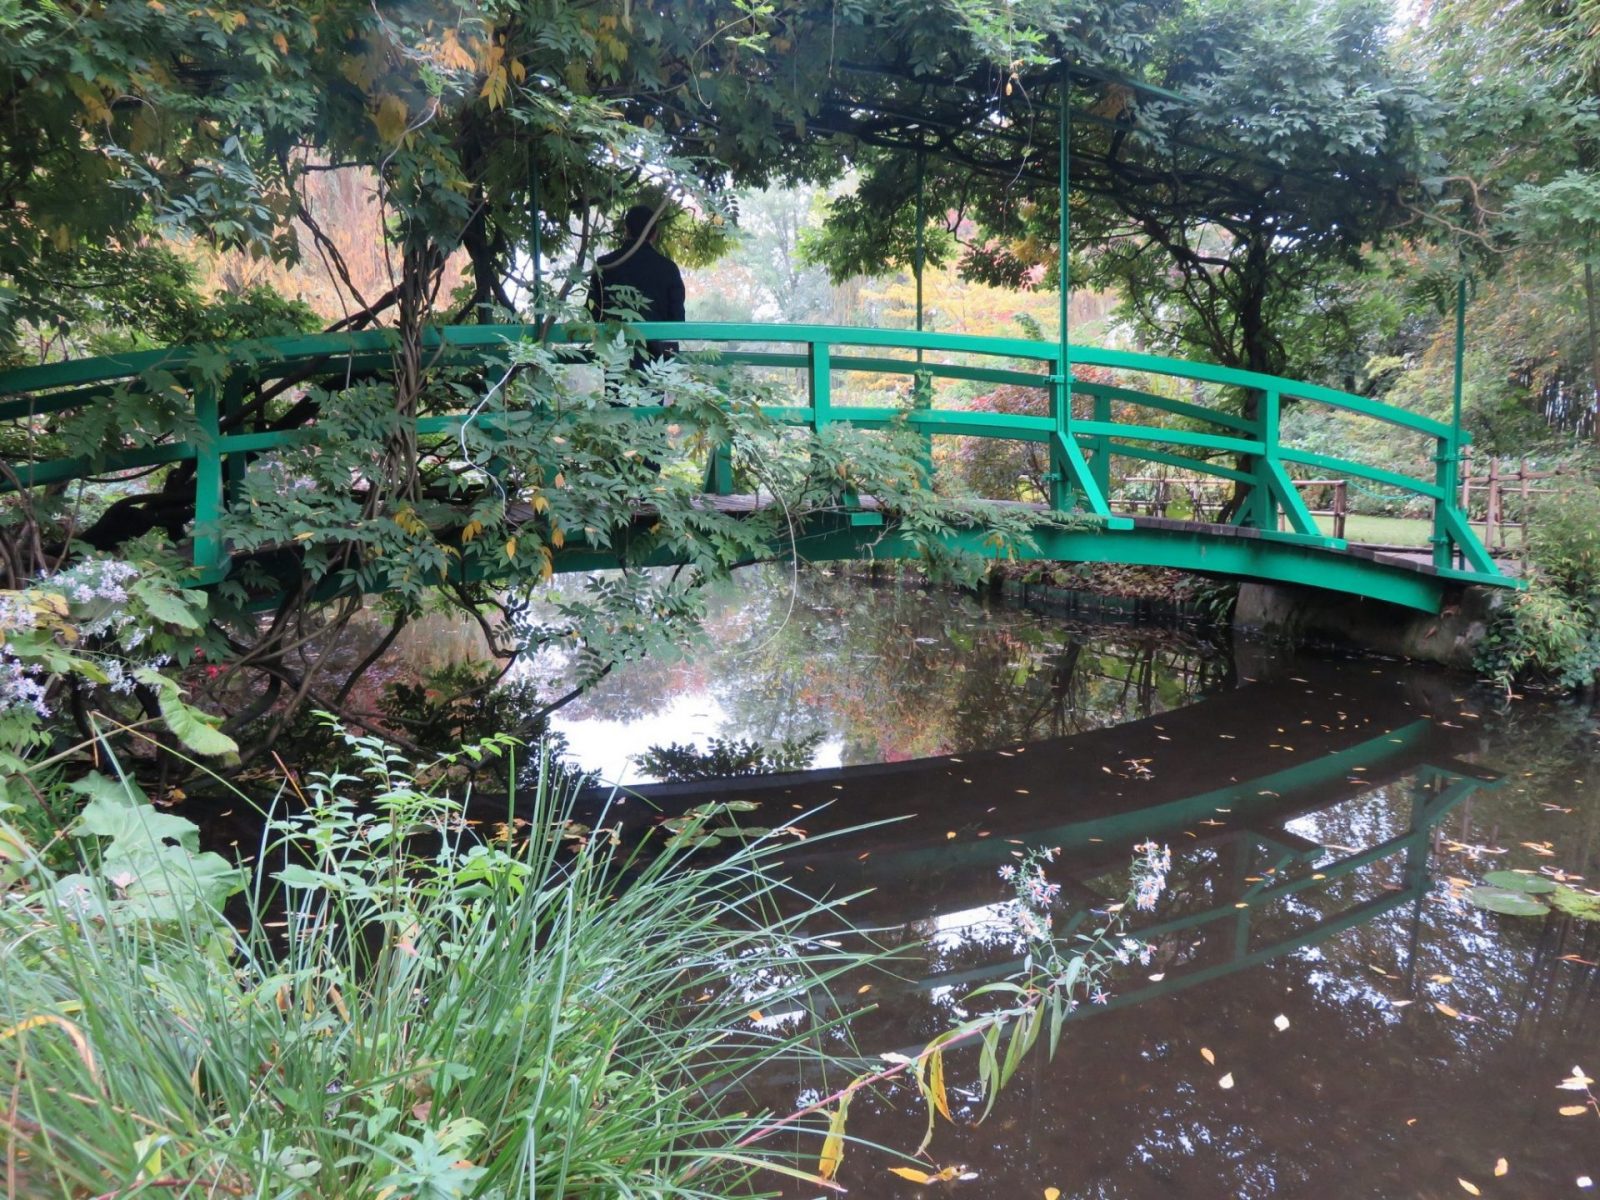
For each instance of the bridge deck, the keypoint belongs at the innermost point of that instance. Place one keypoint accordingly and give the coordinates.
(1236, 551)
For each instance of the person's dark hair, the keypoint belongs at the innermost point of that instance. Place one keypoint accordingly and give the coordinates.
(636, 220)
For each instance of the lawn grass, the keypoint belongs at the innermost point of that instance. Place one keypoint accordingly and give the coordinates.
(1397, 531)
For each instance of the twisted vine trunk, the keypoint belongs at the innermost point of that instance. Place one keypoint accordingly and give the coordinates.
(420, 270)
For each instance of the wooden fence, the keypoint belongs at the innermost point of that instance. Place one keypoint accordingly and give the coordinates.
(1497, 502)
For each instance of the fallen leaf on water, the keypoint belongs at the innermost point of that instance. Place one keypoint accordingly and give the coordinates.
(1411, 1120)
(1469, 1188)
(1574, 1110)
(1576, 1082)
(950, 834)
(1226, 1081)
(1399, 1003)
(944, 1175)
(1501, 1166)
(863, 989)
(1446, 1009)
(1282, 1022)
(1208, 1056)
(1052, 1194)
(1441, 978)
(755, 1014)
(1158, 977)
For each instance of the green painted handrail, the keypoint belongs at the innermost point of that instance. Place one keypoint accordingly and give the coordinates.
(1244, 449)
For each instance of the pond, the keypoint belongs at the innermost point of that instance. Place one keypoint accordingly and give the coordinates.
(1324, 1012)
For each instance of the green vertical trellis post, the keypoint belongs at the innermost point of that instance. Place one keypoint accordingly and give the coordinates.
(1060, 481)
(1070, 476)
(1448, 457)
(537, 239)
(919, 255)
(922, 383)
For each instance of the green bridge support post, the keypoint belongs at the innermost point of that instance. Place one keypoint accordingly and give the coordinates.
(1100, 467)
(234, 464)
(210, 553)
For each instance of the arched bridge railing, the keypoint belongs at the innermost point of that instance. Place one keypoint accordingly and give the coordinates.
(1103, 412)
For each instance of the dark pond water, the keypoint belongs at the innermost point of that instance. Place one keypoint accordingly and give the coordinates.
(1383, 1038)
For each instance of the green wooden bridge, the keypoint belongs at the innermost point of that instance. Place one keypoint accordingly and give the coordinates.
(1094, 405)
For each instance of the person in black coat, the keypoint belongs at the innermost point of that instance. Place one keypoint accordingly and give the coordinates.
(656, 284)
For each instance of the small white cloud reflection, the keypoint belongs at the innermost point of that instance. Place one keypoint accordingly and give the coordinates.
(946, 932)
(610, 747)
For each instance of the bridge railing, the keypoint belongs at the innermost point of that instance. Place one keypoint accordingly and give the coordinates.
(1241, 444)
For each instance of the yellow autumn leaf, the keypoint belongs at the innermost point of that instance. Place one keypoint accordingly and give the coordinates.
(74, 1034)
(90, 97)
(390, 118)
(1446, 1009)
(936, 1090)
(451, 55)
(1052, 1193)
(511, 547)
(1211, 1059)
(833, 1145)
(471, 530)
(1501, 1166)
(1469, 1188)
(1574, 1110)
(911, 1173)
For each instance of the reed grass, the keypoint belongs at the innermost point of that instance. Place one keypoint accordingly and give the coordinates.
(408, 1008)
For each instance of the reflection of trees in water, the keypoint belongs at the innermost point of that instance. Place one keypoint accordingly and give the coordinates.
(895, 670)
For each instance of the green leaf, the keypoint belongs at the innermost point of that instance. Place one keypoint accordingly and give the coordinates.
(1574, 903)
(167, 605)
(95, 786)
(1516, 881)
(1505, 901)
(189, 725)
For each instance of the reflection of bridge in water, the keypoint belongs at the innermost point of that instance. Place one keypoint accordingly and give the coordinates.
(1223, 781)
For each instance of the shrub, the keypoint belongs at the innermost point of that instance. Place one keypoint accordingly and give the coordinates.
(1551, 632)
